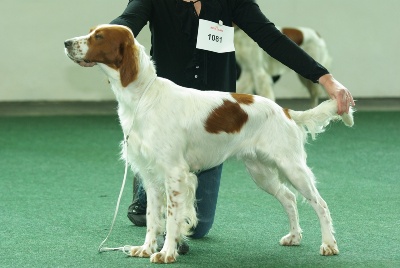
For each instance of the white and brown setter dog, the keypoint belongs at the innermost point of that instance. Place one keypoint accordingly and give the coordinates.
(175, 131)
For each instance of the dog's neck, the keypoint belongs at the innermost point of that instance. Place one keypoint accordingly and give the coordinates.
(129, 97)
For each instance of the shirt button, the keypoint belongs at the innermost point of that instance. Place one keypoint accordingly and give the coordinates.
(197, 67)
(195, 76)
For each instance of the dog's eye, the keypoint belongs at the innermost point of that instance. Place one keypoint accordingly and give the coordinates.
(98, 36)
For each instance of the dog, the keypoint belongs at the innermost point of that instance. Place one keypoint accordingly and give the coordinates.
(173, 132)
(259, 71)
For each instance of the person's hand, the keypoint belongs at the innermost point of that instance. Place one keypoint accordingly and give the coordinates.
(338, 92)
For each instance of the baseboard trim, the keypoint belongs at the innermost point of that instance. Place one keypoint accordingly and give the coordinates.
(53, 108)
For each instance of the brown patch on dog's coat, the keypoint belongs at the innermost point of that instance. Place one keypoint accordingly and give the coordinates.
(243, 98)
(229, 118)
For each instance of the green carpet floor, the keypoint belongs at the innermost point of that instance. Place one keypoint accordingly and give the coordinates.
(60, 178)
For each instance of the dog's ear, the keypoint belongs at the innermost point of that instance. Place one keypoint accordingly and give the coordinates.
(130, 61)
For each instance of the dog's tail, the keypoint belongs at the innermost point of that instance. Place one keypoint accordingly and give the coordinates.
(315, 120)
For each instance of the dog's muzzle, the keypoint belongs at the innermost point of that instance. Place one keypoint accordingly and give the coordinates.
(75, 49)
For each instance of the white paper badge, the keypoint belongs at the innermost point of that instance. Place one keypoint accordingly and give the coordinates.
(215, 37)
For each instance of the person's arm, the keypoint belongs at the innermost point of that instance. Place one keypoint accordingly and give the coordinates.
(135, 16)
(248, 16)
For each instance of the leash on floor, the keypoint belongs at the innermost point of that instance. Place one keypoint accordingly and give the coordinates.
(125, 249)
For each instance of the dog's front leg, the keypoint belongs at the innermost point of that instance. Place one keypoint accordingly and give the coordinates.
(154, 221)
(181, 214)
(169, 252)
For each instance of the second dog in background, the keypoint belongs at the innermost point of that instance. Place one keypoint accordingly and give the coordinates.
(259, 71)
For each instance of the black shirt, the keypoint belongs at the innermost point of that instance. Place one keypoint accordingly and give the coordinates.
(173, 25)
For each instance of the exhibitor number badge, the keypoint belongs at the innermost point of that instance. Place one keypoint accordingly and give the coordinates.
(215, 37)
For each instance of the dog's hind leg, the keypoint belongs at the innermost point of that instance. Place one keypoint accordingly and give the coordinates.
(267, 178)
(302, 178)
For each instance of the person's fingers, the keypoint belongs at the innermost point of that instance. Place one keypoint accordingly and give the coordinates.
(352, 102)
(347, 101)
(344, 101)
(341, 107)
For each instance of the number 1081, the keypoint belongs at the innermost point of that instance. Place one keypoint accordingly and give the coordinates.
(215, 38)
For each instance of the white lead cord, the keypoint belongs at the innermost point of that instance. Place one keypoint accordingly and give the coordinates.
(124, 249)
(104, 249)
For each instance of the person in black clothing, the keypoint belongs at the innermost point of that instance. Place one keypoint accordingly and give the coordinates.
(174, 26)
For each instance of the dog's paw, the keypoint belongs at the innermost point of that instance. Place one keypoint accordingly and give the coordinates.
(329, 249)
(141, 251)
(163, 257)
(291, 239)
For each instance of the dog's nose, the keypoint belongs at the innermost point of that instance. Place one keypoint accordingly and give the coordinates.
(67, 43)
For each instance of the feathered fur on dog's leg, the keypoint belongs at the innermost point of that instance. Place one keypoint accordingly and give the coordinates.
(180, 189)
(270, 180)
(154, 224)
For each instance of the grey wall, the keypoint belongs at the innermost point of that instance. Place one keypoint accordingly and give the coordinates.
(363, 38)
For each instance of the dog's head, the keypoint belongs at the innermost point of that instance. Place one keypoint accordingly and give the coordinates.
(111, 45)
